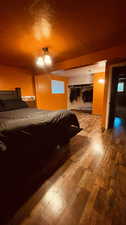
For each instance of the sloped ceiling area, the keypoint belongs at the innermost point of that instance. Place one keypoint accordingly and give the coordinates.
(80, 71)
(69, 28)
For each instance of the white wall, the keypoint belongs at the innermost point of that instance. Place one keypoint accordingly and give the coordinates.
(81, 79)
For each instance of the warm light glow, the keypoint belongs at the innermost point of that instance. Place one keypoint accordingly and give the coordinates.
(102, 63)
(97, 146)
(56, 201)
(40, 62)
(44, 61)
(42, 29)
(102, 81)
(47, 60)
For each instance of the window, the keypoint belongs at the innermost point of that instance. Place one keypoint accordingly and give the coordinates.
(57, 87)
(120, 87)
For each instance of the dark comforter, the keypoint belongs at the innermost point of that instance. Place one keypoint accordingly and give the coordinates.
(21, 118)
(27, 139)
(19, 128)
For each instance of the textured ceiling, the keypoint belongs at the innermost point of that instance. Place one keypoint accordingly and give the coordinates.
(69, 28)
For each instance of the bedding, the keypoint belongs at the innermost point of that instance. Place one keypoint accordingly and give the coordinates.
(40, 128)
(28, 138)
(29, 135)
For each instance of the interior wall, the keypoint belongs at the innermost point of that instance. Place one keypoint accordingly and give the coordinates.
(81, 79)
(98, 93)
(12, 77)
(47, 100)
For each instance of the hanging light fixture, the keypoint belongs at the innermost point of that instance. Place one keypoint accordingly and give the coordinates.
(40, 62)
(45, 60)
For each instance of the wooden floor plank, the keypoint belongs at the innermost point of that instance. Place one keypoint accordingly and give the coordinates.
(89, 188)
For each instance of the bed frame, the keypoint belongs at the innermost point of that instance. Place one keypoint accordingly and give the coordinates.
(11, 94)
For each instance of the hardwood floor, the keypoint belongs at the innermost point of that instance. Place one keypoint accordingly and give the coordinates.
(89, 188)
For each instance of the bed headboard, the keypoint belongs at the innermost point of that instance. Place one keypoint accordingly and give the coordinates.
(11, 94)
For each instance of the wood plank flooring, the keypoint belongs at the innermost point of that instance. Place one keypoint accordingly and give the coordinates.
(89, 188)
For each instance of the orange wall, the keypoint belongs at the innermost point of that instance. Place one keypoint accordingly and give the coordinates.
(47, 100)
(98, 94)
(12, 77)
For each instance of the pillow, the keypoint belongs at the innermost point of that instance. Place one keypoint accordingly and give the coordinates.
(12, 104)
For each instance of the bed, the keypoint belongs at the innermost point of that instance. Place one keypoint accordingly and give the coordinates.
(27, 136)
(18, 123)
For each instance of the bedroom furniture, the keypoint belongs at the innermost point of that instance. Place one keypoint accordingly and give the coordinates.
(29, 138)
(10, 94)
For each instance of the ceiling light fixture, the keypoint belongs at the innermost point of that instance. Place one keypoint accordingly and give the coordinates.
(40, 62)
(45, 60)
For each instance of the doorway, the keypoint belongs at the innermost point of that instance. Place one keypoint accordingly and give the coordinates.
(118, 97)
(81, 97)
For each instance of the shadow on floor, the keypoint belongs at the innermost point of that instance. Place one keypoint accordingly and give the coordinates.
(18, 188)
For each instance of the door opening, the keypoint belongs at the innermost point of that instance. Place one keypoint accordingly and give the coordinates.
(117, 113)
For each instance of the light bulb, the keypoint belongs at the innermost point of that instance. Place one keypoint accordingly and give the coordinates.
(47, 60)
(102, 81)
(40, 62)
